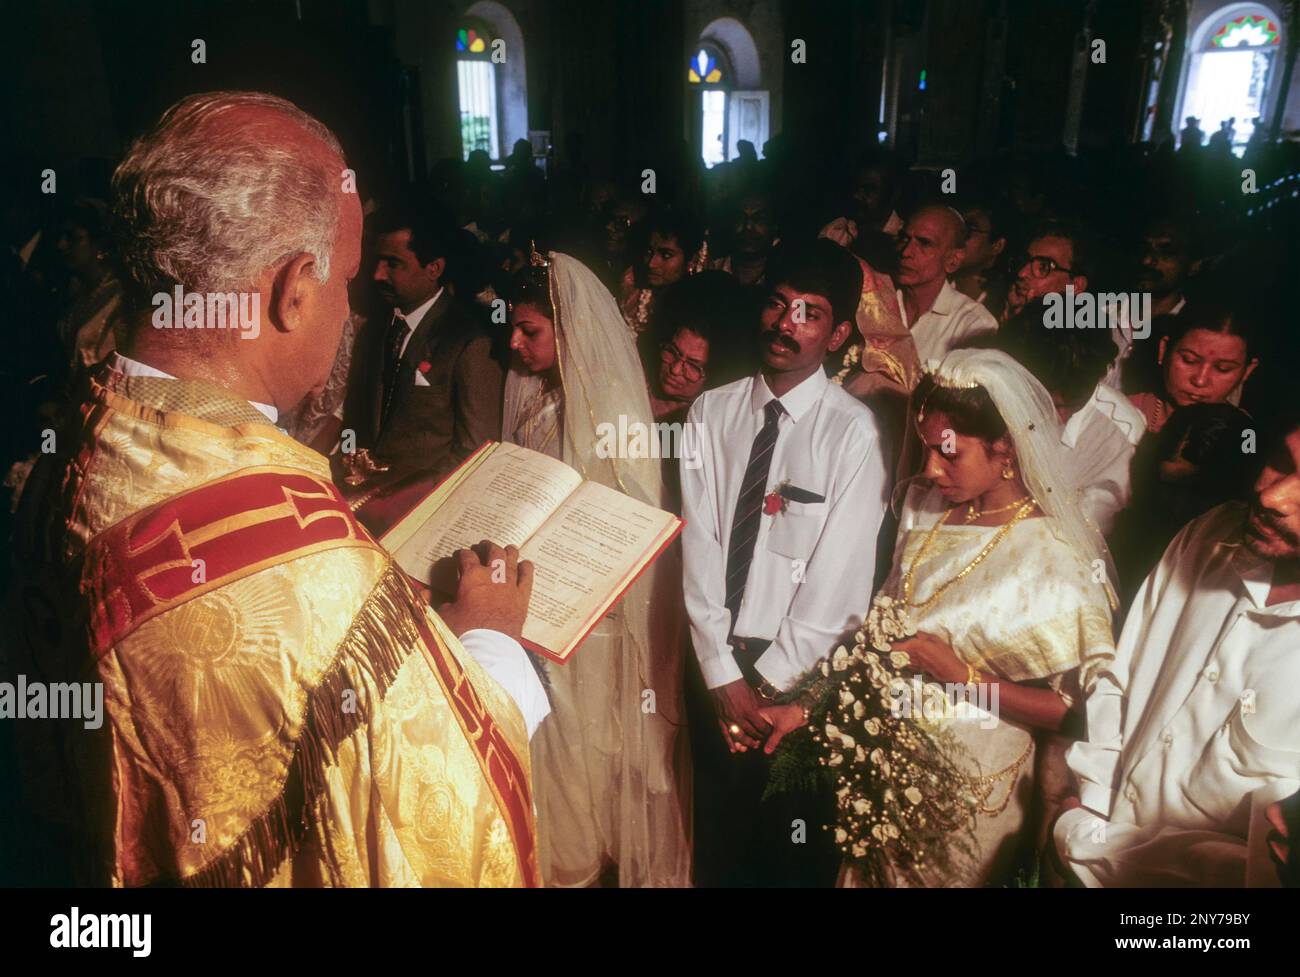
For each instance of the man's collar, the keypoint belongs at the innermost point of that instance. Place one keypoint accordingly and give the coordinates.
(796, 402)
(134, 368)
(945, 303)
(1255, 571)
(420, 311)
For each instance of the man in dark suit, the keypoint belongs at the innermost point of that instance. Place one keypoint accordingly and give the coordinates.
(427, 391)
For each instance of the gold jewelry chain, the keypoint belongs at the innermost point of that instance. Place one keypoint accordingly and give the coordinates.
(972, 513)
(979, 557)
(984, 786)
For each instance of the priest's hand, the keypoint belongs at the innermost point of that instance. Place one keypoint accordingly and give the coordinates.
(932, 656)
(492, 591)
(737, 707)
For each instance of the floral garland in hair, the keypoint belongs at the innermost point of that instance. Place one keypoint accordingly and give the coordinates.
(904, 804)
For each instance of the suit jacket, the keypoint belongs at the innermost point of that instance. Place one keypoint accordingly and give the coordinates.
(433, 427)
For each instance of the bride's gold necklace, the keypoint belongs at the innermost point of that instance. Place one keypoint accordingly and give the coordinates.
(1026, 507)
(973, 513)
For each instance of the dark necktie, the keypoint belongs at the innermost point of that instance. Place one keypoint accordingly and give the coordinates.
(749, 508)
(392, 359)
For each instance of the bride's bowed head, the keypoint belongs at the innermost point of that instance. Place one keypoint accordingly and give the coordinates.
(989, 442)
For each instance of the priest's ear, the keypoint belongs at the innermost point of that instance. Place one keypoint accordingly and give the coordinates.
(293, 292)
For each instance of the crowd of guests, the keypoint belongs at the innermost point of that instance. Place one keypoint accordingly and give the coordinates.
(1098, 515)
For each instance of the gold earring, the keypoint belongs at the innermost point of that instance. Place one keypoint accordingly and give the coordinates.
(1008, 473)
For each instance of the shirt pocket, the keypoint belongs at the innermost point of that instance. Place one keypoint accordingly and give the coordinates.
(1232, 765)
(1251, 757)
(795, 531)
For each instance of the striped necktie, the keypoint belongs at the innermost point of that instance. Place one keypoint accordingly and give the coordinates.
(749, 508)
(397, 331)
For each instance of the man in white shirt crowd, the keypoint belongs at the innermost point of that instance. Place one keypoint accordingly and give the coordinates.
(1194, 730)
(783, 494)
(1101, 428)
(931, 246)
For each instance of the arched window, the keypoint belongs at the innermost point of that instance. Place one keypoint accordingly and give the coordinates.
(708, 70)
(1232, 56)
(722, 73)
(480, 126)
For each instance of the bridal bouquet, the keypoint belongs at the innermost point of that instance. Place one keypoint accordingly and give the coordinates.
(904, 804)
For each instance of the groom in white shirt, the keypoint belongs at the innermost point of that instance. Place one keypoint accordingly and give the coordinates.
(783, 495)
(1194, 731)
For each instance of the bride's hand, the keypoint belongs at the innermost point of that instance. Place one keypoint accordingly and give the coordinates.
(784, 719)
(933, 656)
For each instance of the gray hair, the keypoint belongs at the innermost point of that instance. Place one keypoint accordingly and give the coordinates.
(211, 212)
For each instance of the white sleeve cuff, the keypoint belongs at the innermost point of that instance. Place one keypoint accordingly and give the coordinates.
(502, 657)
(720, 671)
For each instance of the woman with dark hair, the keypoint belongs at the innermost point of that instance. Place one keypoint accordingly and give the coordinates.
(1206, 358)
(999, 588)
(703, 336)
(674, 248)
(612, 781)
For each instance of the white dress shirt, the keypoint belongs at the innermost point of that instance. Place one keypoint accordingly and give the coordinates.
(952, 320)
(1100, 439)
(505, 660)
(134, 368)
(501, 656)
(414, 318)
(811, 574)
(1195, 725)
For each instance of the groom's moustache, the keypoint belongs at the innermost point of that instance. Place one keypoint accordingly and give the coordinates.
(775, 336)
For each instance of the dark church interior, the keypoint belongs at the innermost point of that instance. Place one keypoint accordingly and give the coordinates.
(686, 155)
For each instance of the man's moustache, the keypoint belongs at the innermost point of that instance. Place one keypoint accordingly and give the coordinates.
(771, 336)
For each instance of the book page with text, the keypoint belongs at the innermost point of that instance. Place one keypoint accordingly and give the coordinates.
(505, 500)
(596, 539)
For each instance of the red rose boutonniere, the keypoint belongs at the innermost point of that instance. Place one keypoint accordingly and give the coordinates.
(775, 501)
(424, 366)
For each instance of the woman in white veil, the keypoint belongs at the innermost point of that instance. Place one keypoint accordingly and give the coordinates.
(1002, 588)
(610, 765)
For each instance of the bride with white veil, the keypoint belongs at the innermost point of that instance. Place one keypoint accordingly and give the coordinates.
(610, 765)
(1005, 588)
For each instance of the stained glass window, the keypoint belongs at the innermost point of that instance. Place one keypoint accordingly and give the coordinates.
(469, 41)
(705, 67)
(1248, 30)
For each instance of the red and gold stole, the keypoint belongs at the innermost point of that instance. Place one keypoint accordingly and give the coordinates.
(209, 536)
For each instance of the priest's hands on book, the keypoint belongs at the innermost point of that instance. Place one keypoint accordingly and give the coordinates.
(492, 591)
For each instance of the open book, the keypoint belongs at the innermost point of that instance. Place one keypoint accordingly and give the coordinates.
(588, 543)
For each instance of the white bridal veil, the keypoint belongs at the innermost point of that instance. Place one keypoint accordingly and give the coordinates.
(1035, 431)
(609, 759)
